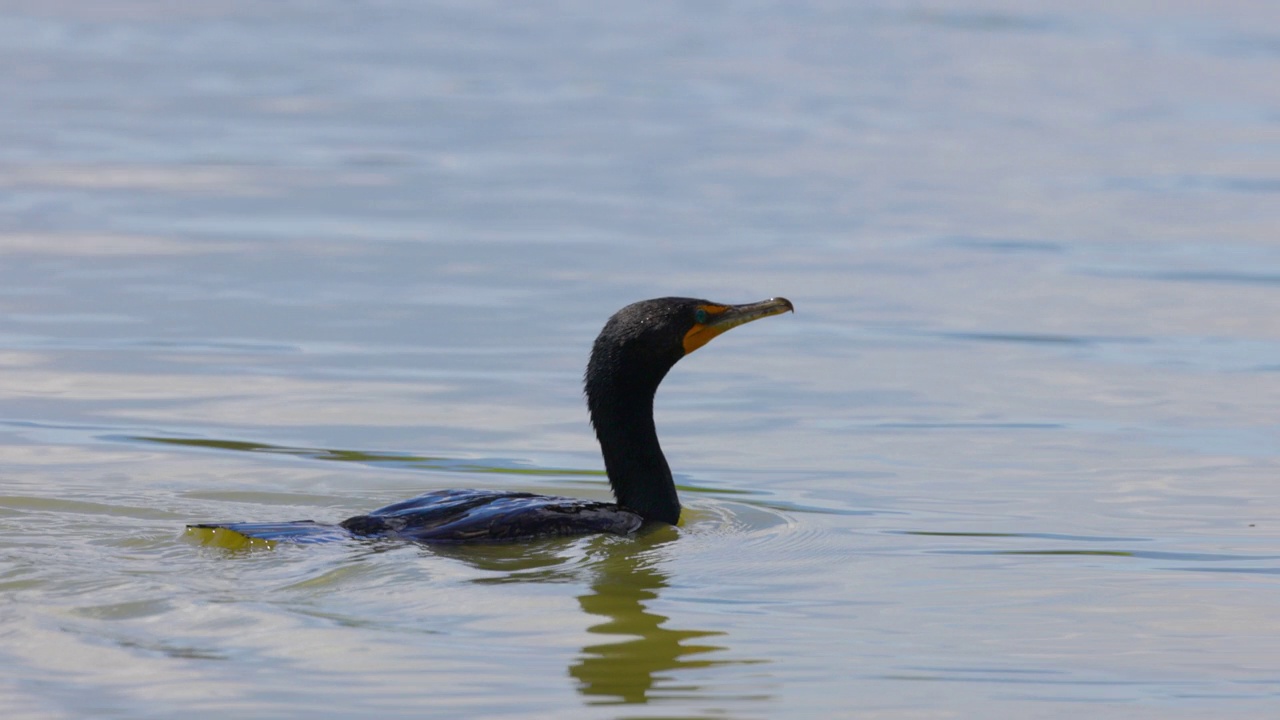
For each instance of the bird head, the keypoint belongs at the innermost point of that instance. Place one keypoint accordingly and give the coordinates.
(643, 340)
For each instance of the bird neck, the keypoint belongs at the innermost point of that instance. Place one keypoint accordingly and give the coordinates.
(638, 471)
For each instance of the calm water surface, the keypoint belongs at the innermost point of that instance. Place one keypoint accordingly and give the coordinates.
(1016, 455)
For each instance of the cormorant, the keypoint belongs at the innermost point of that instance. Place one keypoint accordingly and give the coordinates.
(629, 359)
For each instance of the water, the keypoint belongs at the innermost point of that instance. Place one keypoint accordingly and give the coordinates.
(1014, 456)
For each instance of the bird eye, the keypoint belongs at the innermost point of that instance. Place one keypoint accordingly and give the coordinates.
(700, 316)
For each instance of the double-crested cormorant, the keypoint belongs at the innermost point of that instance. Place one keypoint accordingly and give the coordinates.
(634, 351)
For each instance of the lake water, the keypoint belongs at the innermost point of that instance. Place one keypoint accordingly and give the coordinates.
(1016, 455)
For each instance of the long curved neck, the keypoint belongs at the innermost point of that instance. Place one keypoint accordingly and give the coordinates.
(622, 414)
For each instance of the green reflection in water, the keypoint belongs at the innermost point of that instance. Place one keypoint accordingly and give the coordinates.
(642, 655)
(1106, 553)
(403, 461)
(381, 459)
(641, 658)
(1040, 536)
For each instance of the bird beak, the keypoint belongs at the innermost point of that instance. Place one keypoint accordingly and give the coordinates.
(720, 318)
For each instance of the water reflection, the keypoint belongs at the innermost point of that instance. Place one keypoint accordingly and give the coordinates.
(364, 457)
(641, 653)
(640, 658)
(626, 670)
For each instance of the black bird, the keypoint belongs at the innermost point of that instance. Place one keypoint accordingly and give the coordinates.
(629, 359)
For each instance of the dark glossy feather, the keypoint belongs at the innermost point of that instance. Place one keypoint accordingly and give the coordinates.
(458, 516)
(491, 515)
(297, 531)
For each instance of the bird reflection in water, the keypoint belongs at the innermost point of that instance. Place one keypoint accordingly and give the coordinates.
(634, 670)
(646, 661)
